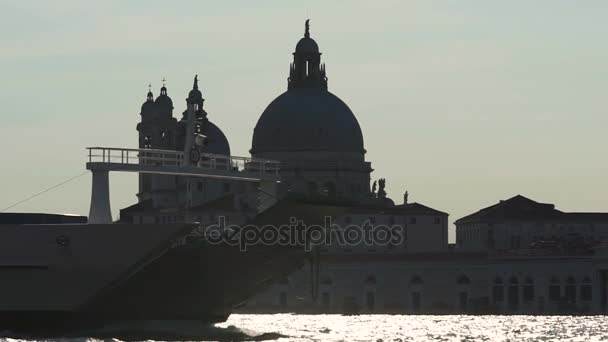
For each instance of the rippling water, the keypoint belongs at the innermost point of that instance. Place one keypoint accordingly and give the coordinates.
(385, 328)
(425, 328)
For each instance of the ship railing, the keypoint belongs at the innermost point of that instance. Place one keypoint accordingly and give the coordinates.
(157, 157)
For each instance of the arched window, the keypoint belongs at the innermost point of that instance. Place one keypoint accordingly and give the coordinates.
(586, 290)
(570, 290)
(416, 280)
(498, 290)
(513, 280)
(370, 300)
(554, 289)
(529, 289)
(463, 280)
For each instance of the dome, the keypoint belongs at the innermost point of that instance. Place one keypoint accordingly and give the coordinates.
(307, 45)
(195, 94)
(163, 100)
(307, 119)
(147, 107)
(216, 140)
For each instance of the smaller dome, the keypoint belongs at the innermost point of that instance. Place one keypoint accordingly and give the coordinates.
(307, 45)
(216, 140)
(195, 94)
(147, 107)
(217, 143)
(163, 100)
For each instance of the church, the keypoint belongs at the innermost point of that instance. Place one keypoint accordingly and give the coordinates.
(519, 256)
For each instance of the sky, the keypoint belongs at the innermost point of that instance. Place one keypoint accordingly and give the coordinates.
(462, 103)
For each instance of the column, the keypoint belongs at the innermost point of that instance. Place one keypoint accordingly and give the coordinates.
(100, 211)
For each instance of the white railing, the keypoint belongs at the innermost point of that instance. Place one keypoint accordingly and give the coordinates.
(131, 156)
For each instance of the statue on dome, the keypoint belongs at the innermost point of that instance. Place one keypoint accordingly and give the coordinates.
(405, 197)
(307, 28)
(374, 189)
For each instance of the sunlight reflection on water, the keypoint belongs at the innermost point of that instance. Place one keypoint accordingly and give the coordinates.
(425, 328)
(376, 328)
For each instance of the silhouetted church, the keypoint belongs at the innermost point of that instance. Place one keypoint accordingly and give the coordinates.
(506, 260)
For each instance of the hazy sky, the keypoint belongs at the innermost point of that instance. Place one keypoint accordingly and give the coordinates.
(462, 103)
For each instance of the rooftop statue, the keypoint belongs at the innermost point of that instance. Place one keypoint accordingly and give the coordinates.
(381, 186)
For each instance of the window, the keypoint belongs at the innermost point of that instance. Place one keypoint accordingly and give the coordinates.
(570, 291)
(226, 187)
(199, 186)
(416, 301)
(325, 300)
(586, 291)
(412, 220)
(370, 301)
(416, 280)
(554, 289)
(529, 289)
(283, 299)
(463, 299)
(515, 242)
(147, 142)
(498, 293)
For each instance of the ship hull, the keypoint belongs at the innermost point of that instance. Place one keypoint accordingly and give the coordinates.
(65, 290)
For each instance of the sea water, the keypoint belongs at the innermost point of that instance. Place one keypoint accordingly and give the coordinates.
(375, 328)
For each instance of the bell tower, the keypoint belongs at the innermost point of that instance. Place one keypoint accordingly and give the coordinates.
(156, 131)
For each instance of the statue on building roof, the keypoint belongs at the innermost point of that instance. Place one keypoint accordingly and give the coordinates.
(381, 187)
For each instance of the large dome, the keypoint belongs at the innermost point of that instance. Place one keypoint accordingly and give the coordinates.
(307, 119)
